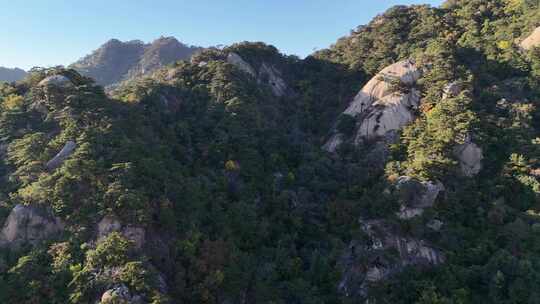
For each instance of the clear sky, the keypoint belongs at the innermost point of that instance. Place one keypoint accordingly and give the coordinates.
(54, 32)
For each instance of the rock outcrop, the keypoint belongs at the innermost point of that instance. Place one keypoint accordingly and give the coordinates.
(59, 158)
(266, 74)
(405, 72)
(334, 142)
(415, 196)
(29, 224)
(469, 154)
(111, 224)
(369, 262)
(435, 225)
(374, 259)
(239, 62)
(390, 113)
(470, 157)
(533, 40)
(60, 81)
(271, 76)
(386, 103)
(120, 294)
(453, 89)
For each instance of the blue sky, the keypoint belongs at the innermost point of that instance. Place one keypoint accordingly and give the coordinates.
(54, 32)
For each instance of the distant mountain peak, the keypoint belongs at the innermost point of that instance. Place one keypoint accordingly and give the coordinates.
(116, 61)
(9, 75)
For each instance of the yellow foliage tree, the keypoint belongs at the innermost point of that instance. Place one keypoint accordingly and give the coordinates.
(13, 101)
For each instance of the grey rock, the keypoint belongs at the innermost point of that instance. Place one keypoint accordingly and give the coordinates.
(369, 262)
(452, 90)
(29, 224)
(380, 86)
(238, 62)
(64, 154)
(470, 157)
(267, 74)
(56, 81)
(435, 225)
(120, 294)
(272, 77)
(390, 113)
(111, 224)
(334, 142)
(380, 107)
(415, 196)
(40, 107)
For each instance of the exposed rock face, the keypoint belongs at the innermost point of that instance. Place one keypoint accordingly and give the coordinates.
(470, 157)
(120, 294)
(160, 52)
(452, 90)
(334, 142)
(406, 72)
(56, 81)
(435, 225)
(415, 196)
(271, 76)
(384, 104)
(371, 261)
(29, 224)
(238, 62)
(267, 74)
(59, 158)
(40, 107)
(532, 40)
(111, 224)
(366, 263)
(390, 113)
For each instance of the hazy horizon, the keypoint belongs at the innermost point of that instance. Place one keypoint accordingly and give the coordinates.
(59, 32)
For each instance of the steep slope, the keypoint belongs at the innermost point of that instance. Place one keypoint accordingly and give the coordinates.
(117, 61)
(10, 75)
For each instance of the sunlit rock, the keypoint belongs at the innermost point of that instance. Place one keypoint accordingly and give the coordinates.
(470, 157)
(30, 224)
(533, 40)
(386, 103)
(64, 154)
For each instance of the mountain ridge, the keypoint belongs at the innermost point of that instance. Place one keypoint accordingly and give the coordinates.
(11, 74)
(116, 61)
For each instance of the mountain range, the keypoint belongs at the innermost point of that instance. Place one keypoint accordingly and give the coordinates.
(117, 61)
(10, 75)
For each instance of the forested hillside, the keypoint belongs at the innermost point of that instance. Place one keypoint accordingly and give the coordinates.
(400, 165)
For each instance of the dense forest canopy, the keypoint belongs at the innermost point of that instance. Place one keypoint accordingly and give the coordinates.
(208, 181)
